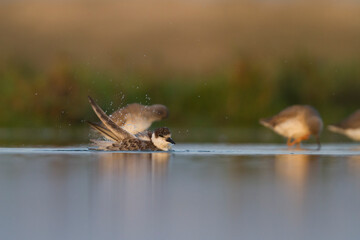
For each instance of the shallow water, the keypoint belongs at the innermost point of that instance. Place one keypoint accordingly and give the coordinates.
(196, 192)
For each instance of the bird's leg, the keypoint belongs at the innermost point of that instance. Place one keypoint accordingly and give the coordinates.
(289, 143)
(306, 137)
(318, 142)
(297, 141)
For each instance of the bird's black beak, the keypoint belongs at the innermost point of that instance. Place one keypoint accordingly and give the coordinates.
(170, 140)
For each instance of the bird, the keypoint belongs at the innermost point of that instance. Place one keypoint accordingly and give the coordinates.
(122, 140)
(349, 127)
(135, 119)
(296, 123)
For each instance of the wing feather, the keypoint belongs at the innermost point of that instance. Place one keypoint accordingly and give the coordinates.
(109, 124)
(104, 131)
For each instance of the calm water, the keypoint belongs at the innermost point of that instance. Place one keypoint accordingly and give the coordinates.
(197, 192)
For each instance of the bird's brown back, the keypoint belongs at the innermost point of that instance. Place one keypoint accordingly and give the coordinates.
(286, 114)
(297, 111)
(353, 121)
(133, 144)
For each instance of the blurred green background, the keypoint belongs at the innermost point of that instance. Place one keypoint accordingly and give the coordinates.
(218, 65)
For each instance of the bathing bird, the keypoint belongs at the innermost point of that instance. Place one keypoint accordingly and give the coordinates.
(135, 119)
(120, 139)
(349, 127)
(296, 123)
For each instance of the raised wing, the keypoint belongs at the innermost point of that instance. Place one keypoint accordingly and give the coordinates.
(109, 124)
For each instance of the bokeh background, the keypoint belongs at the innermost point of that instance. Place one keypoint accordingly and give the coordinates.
(218, 65)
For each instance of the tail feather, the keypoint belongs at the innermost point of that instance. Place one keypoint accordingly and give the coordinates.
(109, 124)
(266, 122)
(336, 129)
(104, 131)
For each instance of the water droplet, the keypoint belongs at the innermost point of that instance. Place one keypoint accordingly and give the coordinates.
(36, 94)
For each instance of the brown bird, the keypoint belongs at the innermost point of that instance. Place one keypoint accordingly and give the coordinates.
(136, 119)
(125, 141)
(349, 127)
(297, 123)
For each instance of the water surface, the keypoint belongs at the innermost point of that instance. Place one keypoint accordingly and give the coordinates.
(196, 192)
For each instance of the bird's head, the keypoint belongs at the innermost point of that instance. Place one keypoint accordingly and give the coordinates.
(161, 138)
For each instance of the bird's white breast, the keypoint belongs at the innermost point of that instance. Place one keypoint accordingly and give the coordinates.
(353, 133)
(292, 128)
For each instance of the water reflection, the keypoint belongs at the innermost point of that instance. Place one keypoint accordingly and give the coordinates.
(293, 169)
(131, 173)
(133, 165)
(355, 148)
(293, 174)
(354, 165)
(155, 196)
(126, 190)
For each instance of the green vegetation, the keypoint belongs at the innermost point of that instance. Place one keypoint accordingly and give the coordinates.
(236, 97)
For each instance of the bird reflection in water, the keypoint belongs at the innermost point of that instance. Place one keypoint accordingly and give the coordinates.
(128, 187)
(133, 165)
(293, 171)
(292, 168)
